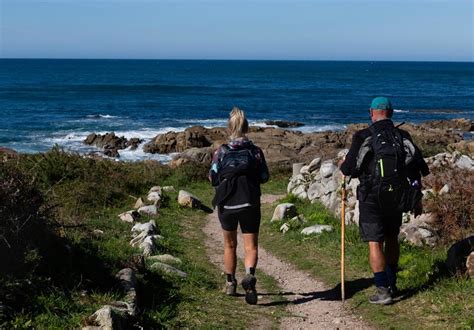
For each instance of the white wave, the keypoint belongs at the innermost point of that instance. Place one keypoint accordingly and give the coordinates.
(320, 128)
(306, 128)
(208, 123)
(138, 154)
(400, 110)
(101, 116)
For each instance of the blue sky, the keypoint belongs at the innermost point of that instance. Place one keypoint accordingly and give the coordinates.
(433, 30)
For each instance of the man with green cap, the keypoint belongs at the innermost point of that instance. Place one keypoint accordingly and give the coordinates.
(389, 167)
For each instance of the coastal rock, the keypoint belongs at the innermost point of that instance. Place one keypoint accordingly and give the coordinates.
(466, 147)
(192, 137)
(6, 153)
(187, 199)
(111, 143)
(316, 229)
(465, 162)
(284, 211)
(283, 123)
(197, 155)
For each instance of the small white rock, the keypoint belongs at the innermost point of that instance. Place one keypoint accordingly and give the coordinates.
(316, 229)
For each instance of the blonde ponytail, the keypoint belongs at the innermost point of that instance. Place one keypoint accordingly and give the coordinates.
(238, 125)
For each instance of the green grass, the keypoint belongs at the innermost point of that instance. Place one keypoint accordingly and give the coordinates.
(432, 299)
(86, 195)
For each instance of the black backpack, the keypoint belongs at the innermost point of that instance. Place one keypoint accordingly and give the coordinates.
(389, 171)
(236, 161)
(238, 179)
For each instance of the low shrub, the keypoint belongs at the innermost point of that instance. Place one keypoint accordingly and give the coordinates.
(454, 210)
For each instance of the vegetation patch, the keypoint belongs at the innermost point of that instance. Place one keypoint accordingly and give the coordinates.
(429, 295)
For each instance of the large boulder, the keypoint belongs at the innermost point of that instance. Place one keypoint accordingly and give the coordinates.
(111, 143)
(192, 137)
(197, 155)
(283, 123)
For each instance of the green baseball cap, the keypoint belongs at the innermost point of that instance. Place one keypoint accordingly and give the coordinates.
(381, 103)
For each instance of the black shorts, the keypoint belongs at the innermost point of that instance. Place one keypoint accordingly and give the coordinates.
(248, 218)
(374, 224)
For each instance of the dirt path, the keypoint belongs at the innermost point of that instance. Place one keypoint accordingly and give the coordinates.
(310, 302)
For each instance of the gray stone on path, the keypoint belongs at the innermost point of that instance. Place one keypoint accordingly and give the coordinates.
(316, 229)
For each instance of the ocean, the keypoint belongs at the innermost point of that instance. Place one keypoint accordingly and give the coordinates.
(49, 102)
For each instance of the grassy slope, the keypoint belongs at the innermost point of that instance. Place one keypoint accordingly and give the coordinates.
(92, 194)
(87, 283)
(431, 299)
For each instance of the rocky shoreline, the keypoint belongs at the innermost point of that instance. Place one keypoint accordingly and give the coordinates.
(282, 147)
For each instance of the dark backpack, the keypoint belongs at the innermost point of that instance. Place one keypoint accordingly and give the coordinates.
(238, 179)
(389, 172)
(236, 161)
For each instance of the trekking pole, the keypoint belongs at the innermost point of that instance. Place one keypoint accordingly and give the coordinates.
(343, 230)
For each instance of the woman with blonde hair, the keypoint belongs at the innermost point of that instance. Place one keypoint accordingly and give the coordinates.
(237, 170)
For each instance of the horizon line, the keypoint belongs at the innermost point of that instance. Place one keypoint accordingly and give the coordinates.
(221, 59)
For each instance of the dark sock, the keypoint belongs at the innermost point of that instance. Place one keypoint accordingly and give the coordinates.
(230, 277)
(381, 279)
(250, 270)
(391, 271)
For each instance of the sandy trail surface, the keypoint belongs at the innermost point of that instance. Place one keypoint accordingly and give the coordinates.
(311, 303)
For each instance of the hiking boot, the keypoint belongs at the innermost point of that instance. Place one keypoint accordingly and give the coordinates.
(231, 288)
(382, 296)
(248, 283)
(393, 290)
